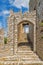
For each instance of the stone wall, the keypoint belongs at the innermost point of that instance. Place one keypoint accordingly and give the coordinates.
(13, 21)
(31, 32)
(40, 28)
(32, 5)
(1, 38)
(11, 33)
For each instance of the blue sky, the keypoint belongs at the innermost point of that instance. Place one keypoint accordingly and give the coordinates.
(15, 5)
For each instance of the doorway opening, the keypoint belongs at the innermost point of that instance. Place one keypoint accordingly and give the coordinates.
(25, 36)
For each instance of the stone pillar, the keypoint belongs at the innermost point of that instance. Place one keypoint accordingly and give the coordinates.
(15, 36)
(1, 38)
(11, 34)
(34, 45)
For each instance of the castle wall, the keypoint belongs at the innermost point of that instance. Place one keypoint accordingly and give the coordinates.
(1, 38)
(31, 32)
(40, 28)
(11, 33)
(13, 21)
(32, 5)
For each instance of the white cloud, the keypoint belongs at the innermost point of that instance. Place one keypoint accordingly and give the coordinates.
(6, 12)
(19, 3)
(11, 1)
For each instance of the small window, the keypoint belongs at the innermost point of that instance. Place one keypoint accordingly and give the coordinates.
(26, 28)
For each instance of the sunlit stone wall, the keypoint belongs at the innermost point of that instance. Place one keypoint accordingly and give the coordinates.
(1, 38)
(13, 20)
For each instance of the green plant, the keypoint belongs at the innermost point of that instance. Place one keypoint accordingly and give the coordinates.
(41, 24)
(5, 40)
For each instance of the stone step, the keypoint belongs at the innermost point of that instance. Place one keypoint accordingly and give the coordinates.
(24, 48)
(17, 58)
(21, 63)
(28, 56)
(25, 53)
(30, 59)
(30, 51)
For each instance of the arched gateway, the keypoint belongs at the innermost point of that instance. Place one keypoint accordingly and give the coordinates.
(25, 35)
(24, 27)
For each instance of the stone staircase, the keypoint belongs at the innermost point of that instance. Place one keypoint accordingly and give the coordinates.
(28, 56)
(23, 56)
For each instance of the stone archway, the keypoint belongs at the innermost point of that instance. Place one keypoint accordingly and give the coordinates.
(25, 37)
(14, 20)
(34, 34)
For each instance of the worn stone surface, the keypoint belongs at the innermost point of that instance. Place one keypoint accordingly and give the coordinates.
(40, 28)
(32, 5)
(21, 58)
(1, 38)
(38, 5)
